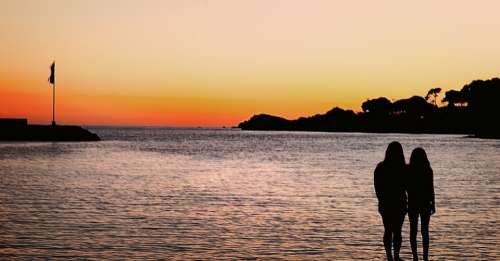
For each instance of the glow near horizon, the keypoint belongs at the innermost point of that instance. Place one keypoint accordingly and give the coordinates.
(214, 63)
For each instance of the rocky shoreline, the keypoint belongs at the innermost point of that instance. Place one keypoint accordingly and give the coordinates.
(25, 132)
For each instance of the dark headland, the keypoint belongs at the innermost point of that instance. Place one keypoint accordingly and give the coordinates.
(474, 110)
(20, 130)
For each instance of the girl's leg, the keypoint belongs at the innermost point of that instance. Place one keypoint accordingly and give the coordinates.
(387, 237)
(425, 218)
(413, 234)
(398, 226)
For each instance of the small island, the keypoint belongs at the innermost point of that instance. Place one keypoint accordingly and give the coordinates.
(20, 130)
(473, 110)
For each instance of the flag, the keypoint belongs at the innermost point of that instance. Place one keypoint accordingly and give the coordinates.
(52, 78)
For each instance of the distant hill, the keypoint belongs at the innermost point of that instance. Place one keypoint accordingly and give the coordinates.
(472, 110)
(266, 122)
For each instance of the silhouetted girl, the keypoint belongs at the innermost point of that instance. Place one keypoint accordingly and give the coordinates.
(389, 181)
(420, 199)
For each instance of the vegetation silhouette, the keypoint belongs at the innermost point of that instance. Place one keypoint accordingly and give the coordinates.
(390, 188)
(433, 93)
(467, 111)
(421, 202)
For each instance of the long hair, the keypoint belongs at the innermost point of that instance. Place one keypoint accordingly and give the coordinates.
(394, 155)
(418, 159)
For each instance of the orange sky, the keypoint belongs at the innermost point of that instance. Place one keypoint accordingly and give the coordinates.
(216, 63)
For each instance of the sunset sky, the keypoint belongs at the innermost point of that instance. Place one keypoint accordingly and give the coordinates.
(216, 63)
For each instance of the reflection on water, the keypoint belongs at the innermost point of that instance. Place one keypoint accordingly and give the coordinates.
(181, 194)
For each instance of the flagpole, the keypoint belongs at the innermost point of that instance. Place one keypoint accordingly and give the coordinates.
(54, 103)
(52, 80)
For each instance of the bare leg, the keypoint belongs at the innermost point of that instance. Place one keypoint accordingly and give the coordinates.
(413, 234)
(387, 237)
(397, 243)
(388, 244)
(424, 229)
(397, 236)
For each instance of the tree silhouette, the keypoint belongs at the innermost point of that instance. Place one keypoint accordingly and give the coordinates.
(482, 95)
(415, 105)
(379, 106)
(472, 110)
(454, 98)
(482, 103)
(433, 93)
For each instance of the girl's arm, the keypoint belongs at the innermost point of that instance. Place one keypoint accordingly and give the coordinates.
(433, 202)
(377, 182)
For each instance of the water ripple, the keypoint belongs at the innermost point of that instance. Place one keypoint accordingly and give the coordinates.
(211, 194)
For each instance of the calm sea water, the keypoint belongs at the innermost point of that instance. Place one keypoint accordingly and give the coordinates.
(151, 193)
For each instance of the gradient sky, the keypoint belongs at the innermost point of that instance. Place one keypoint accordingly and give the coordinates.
(215, 63)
